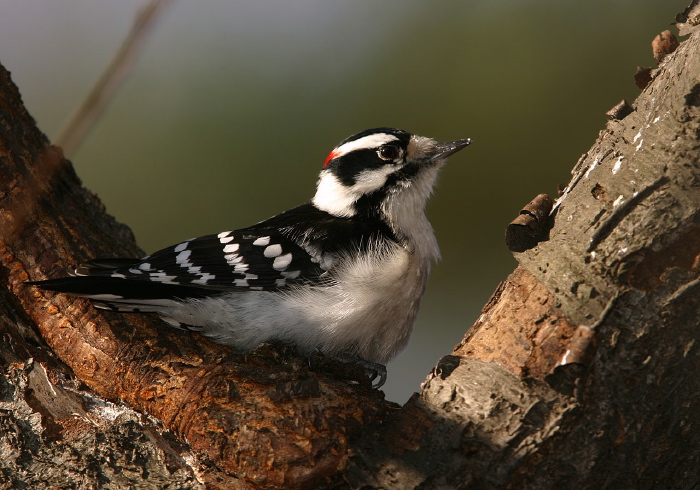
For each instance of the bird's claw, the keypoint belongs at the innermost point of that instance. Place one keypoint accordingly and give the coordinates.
(382, 376)
(375, 370)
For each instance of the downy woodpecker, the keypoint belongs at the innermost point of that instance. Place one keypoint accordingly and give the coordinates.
(342, 274)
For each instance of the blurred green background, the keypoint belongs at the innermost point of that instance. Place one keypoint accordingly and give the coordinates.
(232, 107)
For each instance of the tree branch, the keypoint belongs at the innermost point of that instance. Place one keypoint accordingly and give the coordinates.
(582, 369)
(80, 123)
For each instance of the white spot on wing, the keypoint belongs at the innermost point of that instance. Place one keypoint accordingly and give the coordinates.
(182, 258)
(204, 279)
(282, 262)
(161, 276)
(263, 241)
(273, 251)
(233, 259)
(231, 247)
(182, 246)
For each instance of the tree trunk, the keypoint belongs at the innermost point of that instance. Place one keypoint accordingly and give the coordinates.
(582, 370)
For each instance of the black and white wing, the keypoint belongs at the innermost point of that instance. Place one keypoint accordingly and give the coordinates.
(198, 268)
(300, 246)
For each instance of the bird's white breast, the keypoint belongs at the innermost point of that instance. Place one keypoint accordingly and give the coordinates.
(366, 308)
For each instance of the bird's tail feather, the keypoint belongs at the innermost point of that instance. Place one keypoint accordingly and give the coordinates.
(108, 289)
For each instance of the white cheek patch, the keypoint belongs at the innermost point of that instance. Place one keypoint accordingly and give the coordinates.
(339, 200)
(371, 180)
(333, 197)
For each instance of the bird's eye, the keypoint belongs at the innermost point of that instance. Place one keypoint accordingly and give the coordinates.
(388, 152)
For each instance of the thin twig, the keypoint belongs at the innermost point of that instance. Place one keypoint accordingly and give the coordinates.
(82, 121)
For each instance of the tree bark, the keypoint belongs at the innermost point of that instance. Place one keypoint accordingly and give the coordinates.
(582, 370)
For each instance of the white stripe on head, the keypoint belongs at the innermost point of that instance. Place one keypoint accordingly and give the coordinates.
(365, 143)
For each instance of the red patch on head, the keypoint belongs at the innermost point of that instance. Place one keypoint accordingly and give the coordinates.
(330, 157)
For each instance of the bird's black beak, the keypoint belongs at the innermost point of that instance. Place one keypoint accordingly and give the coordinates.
(444, 150)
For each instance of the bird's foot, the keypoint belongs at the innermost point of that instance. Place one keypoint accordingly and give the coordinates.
(374, 370)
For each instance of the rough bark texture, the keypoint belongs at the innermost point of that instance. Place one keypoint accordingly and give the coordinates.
(583, 370)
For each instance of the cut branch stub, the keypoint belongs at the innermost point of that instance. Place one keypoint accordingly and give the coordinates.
(531, 225)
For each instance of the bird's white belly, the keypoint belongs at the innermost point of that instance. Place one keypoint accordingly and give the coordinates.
(366, 309)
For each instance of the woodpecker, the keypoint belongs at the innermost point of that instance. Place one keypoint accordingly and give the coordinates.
(342, 274)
